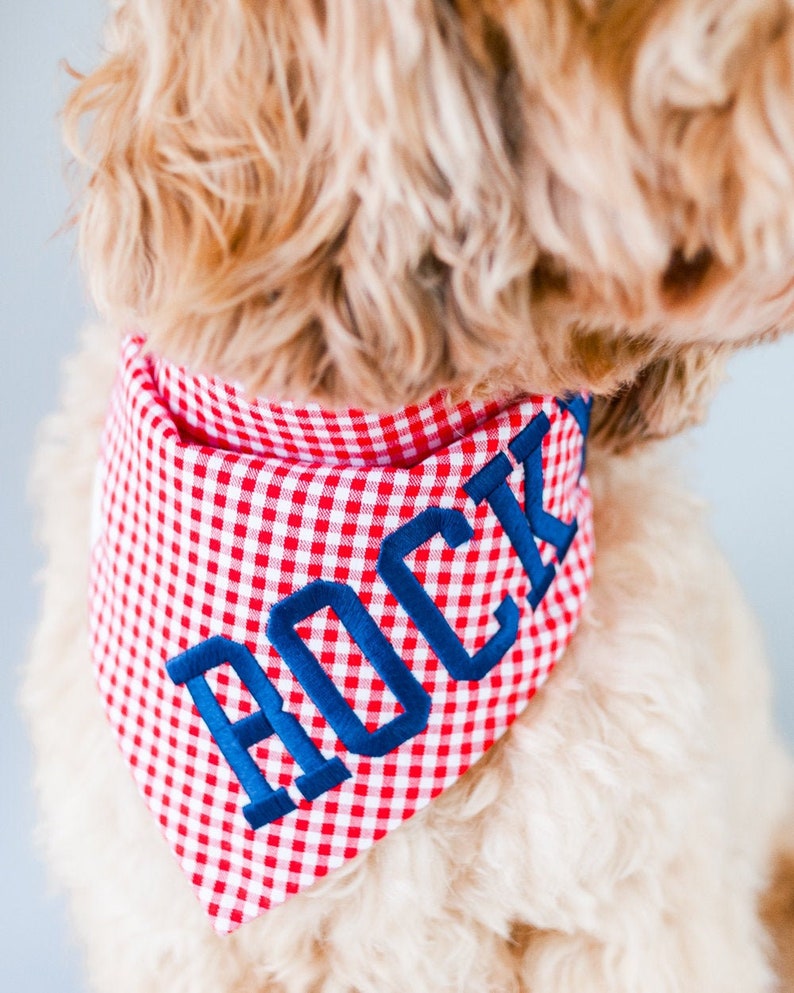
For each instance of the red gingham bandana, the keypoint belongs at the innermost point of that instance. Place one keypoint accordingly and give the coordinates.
(305, 625)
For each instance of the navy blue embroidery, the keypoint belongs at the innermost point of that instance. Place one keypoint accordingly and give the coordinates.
(580, 409)
(522, 527)
(234, 739)
(526, 448)
(352, 613)
(417, 603)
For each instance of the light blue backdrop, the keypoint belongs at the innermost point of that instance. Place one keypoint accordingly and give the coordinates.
(742, 460)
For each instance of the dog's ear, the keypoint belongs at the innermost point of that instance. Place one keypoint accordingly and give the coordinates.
(672, 392)
(197, 139)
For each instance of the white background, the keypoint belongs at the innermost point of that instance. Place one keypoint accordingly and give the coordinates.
(742, 461)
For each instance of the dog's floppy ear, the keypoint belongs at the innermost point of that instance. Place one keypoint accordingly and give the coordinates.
(669, 394)
(311, 199)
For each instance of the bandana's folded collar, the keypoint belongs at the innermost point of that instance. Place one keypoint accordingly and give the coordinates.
(305, 625)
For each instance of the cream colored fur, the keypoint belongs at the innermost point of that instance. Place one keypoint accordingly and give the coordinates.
(361, 201)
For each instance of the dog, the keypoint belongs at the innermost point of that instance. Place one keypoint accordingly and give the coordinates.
(548, 216)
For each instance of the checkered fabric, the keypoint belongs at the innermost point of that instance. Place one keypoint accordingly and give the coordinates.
(211, 508)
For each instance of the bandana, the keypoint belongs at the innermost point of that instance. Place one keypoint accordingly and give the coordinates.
(305, 625)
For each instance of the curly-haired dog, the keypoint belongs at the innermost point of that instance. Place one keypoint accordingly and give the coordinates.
(453, 211)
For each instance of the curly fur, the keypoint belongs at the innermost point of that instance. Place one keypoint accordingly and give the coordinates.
(360, 202)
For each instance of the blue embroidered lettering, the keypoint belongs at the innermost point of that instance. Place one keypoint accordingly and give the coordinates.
(417, 603)
(234, 739)
(352, 613)
(526, 448)
(490, 484)
(580, 409)
(523, 528)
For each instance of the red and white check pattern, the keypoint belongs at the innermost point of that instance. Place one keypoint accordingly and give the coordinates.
(211, 508)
